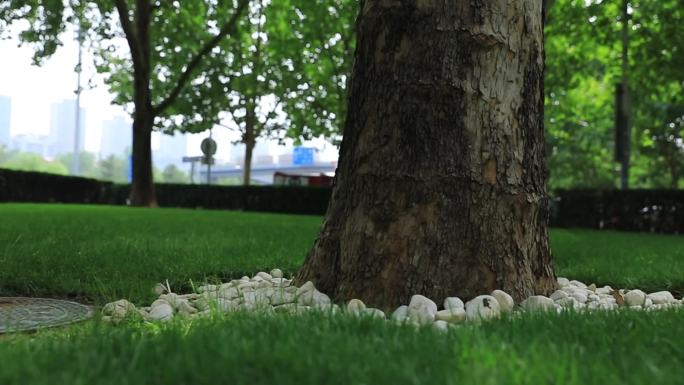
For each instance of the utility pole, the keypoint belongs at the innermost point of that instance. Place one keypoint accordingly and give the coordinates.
(210, 160)
(76, 162)
(623, 107)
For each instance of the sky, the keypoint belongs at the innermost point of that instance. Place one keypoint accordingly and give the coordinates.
(34, 89)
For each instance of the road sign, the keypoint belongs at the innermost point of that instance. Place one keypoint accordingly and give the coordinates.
(208, 147)
(303, 156)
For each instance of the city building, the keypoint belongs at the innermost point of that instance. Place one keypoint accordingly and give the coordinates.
(35, 144)
(117, 137)
(172, 149)
(62, 126)
(5, 114)
(264, 153)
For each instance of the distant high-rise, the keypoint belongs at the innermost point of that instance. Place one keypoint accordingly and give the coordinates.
(117, 136)
(5, 113)
(263, 153)
(62, 125)
(36, 144)
(172, 149)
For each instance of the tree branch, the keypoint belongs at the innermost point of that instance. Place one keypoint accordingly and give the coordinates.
(129, 31)
(226, 29)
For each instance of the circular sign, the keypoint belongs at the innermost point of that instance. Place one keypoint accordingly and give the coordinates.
(20, 314)
(208, 147)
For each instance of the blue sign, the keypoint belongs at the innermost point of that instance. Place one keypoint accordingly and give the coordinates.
(303, 156)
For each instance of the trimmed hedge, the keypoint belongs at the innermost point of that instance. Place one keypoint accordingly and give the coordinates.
(659, 211)
(26, 186)
(22, 186)
(276, 199)
(656, 211)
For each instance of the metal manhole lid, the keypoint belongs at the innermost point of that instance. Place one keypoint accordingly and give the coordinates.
(23, 314)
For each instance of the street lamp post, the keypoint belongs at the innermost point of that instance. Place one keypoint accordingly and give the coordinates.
(76, 162)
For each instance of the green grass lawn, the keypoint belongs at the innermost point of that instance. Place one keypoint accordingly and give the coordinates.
(99, 253)
(605, 348)
(102, 253)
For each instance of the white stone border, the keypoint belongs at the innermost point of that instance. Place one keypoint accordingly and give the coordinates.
(272, 293)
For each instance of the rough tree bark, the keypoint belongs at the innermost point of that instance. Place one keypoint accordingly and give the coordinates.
(441, 183)
(249, 139)
(142, 188)
(247, 166)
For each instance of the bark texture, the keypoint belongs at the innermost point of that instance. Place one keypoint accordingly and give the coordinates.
(137, 33)
(441, 183)
(143, 193)
(249, 139)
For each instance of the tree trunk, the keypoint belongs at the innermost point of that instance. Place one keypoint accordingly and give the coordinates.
(249, 139)
(441, 183)
(247, 171)
(143, 193)
(674, 174)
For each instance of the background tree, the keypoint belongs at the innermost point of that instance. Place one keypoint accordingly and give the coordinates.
(283, 75)
(114, 168)
(173, 174)
(441, 183)
(167, 42)
(658, 88)
(315, 40)
(583, 61)
(5, 154)
(244, 76)
(88, 163)
(33, 162)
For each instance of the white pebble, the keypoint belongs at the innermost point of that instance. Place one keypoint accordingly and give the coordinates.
(162, 312)
(373, 313)
(538, 303)
(228, 292)
(441, 325)
(661, 297)
(635, 298)
(604, 290)
(558, 295)
(579, 297)
(186, 308)
(158, 302)
(159, 289)
(355, 306)
(456, 315)
(570, 303)
(277, 273)
(400, 314)
(171, 298)
(481, 308)
(505, 301)
(320, 300)
(118, 310)
(265, 276)
(453, 303)
(421, 310)
(207, 288)
(280, 297)
(305, 288)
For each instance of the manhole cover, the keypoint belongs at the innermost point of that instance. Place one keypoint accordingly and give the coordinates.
(21, 314)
